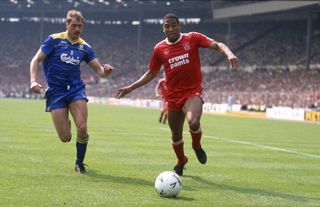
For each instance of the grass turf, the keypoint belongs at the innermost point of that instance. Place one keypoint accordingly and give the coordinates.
(251, 162)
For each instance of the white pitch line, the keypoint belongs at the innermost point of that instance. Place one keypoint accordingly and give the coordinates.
(265, 147)
(260, 146)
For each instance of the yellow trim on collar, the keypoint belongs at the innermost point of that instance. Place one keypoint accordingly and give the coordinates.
(63, 35)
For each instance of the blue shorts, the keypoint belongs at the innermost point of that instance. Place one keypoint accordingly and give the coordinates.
(58, 98)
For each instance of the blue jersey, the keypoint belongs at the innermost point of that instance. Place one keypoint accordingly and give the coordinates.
(63, 57)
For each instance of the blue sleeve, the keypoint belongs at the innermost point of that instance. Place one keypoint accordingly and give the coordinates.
(48, 45)
(90, 55)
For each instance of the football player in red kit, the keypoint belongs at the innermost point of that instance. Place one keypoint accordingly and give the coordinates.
(179, 54)
(161, 91)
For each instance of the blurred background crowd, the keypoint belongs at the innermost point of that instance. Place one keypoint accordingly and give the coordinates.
(272, 56)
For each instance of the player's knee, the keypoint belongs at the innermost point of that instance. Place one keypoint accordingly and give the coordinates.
(194, 124)
(65, 138)
(82, 129)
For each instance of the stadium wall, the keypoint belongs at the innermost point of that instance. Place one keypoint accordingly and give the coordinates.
(283, 113)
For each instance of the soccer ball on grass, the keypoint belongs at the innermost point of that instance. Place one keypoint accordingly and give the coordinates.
(168, 184)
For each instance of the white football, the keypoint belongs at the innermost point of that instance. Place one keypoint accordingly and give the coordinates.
(168, 184)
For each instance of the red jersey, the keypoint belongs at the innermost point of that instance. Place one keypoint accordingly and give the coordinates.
(181, 62)
(161, 88)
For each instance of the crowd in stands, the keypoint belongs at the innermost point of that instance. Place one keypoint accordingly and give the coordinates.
(272, 58)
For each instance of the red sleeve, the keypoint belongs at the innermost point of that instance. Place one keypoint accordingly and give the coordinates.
(155, 62)
(202, 40)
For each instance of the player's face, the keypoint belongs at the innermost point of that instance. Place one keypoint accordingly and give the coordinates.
(171, 29)
(74, 28)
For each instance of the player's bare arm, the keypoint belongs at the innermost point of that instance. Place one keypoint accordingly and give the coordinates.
(34, 65)
(222, 48)
(156, 90)
(104, 70)
(144, 79)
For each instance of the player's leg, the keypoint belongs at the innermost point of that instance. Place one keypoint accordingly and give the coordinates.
(161, 115)
(176, 121)
(165, 116)
(79, 112)
(163, 111)
(193, 110)
(60, 118)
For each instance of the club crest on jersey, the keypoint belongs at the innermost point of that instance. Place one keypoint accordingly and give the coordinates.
(69, 59)
(186, 46)
(166, 53)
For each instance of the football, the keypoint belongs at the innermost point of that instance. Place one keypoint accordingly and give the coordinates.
(168, 184)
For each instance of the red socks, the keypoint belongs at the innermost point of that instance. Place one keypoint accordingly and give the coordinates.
(196, 138)
(178, 146)
(178, 149)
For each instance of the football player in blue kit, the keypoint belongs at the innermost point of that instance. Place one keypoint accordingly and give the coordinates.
(61, 55)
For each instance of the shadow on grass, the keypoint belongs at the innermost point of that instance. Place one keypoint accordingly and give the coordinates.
(179, 198)
(253, 191)
(128, 180)
(119, 179)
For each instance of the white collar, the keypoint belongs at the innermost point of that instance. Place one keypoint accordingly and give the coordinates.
(172, 43)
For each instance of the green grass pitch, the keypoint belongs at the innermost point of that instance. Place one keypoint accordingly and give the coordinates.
(251, 162)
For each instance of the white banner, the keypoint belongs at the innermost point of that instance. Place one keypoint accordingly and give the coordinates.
(286, 113)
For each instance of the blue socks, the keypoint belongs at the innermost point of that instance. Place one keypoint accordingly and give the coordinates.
(81, 146)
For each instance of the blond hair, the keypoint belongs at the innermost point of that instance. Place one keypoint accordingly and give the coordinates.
(74, 14)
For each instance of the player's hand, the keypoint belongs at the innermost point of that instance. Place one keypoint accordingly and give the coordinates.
(36, 87)
(123, 91)
(234, 61)
(107, 70)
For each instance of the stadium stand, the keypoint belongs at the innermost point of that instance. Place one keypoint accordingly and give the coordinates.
(272, 56)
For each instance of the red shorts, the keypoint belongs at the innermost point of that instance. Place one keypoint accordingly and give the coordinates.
(178, 100)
